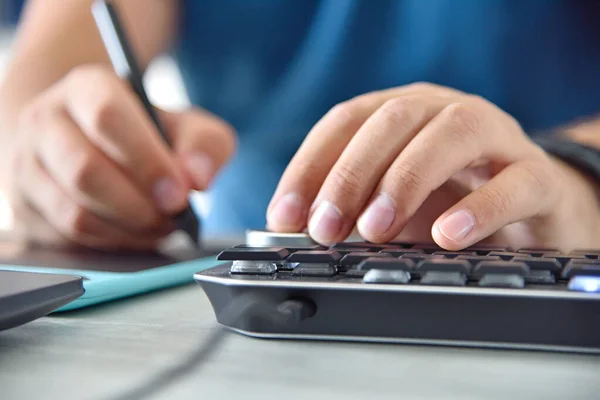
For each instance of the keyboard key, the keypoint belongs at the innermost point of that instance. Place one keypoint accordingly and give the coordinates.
(363, 246)
(541, 263)
(400, 253)
(484, 249)
(506, 255)
(589, 284)
(253, 267)
(444, 278)
(588, 253)
(503, 281)
(290, 248)
(347, 250)
(536, 252)
(474, 260)
(385, 263)
(403, 245)
(356, 257)
(587, 261)
(386, 276)
(564, 258)
(351, 245)
(444, 265)
(416, 258)
(454, 254)
(293, 249)
(319, 256)
(355, 273)
(254, 254)
(501, 267)
(540, 277)
(574, 269)
(314, 269)
(428, 248)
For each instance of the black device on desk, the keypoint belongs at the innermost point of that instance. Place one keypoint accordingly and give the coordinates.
(484, 296)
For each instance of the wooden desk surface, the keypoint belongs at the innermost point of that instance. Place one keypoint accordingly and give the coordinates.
(100, 352)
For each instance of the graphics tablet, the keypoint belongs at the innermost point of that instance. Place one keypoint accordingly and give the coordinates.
(110, 276)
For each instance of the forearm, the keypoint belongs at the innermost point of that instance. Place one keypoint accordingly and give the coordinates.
(55, 37)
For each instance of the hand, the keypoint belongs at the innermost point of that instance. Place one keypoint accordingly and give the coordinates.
(424, 162)
(90, 168)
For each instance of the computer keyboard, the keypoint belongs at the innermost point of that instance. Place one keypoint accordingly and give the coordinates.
(483, 296)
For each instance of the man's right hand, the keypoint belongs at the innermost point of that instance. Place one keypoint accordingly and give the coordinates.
(90, 168)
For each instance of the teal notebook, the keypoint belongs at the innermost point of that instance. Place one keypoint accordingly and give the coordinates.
(111, 276)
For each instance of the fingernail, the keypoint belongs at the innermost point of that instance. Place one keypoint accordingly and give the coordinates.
(201, 167)
(287, 211)
(325, 223)
(457, 226)
(169, 195)
(379, 216)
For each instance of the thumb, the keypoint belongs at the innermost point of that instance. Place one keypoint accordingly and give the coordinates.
(202, 143)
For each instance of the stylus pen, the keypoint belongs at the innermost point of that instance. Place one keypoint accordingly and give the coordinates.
(126, 67)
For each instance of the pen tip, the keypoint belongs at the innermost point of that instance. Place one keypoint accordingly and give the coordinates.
(188, 222)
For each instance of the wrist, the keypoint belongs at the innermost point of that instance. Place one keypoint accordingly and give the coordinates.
(579, 204)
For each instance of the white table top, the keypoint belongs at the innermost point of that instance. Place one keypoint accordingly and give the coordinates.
(99, 352)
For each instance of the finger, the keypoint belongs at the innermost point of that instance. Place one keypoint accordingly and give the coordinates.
(29, 226)
(73, 222)
(86, 175)
(115, 121)
(458, 137)
(202, 142)
(304, 175)
(300, 183)
(369, 154)
(522, 190)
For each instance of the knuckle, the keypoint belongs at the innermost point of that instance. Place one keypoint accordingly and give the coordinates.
(465, 119)
(82, 170)
(74, 220)
(498, 201)
(84, 74)
(361, 101)
(422, 86)
(538, 179)
(104, 112)
(349, 113)
(348, 181)
(409, 178)
(346, 117)
(399, 111)
(102, 106)
(307, 168)
(34, 114)
(344, 110)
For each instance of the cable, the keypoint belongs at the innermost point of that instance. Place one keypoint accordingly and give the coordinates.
(250, 305)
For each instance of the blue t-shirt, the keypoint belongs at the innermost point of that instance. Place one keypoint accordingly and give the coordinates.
(272, 68)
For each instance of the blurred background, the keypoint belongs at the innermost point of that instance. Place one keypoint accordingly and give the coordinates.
(9, 15)
(163, 81)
